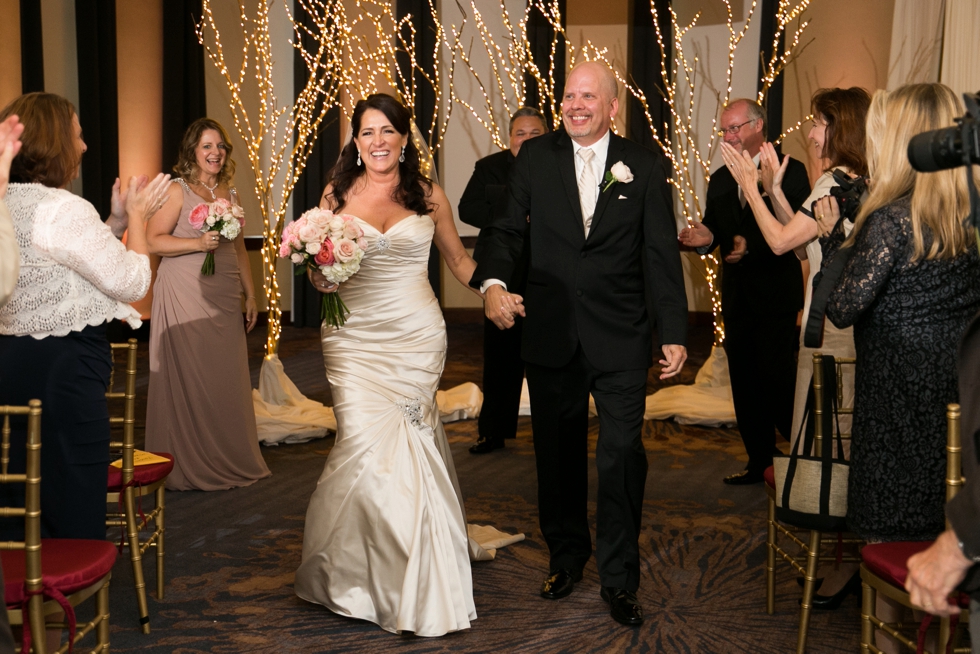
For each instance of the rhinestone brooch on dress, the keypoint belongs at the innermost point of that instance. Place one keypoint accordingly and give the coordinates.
(383, 243)
(412, 408)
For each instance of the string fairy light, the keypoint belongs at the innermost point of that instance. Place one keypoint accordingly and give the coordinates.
(343, 58)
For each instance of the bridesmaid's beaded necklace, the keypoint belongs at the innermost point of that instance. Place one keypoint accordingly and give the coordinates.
(210, 188)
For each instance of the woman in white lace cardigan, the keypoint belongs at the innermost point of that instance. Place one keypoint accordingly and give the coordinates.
(75, 276)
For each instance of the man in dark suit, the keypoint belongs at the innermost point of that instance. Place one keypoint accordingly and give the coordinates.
(761, 295)
(503, 369)
(602, 231)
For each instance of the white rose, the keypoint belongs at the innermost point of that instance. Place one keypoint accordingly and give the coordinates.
(313, 247)
(319, 218)
(621, 172)
(336, 225)
(296, 257)
(309, 232)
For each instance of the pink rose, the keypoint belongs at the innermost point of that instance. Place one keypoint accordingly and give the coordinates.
(221, 206)
(285, 250)
(345, 250)
(198, 215)
(325, 256)
(319, 217)
(352, 231)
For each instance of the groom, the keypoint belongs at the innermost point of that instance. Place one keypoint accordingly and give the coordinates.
(601, 243)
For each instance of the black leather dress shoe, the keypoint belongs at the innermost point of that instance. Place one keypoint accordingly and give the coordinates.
(744, 478)
(560, 583)
(484, 446)
(624, 607)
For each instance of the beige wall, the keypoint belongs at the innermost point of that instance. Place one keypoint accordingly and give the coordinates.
(10, 84)
(139, 69)
(851, 46)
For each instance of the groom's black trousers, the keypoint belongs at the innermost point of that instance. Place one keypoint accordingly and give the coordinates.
(560, 419)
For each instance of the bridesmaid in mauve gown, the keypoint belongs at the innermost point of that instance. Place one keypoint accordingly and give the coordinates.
(199, 406)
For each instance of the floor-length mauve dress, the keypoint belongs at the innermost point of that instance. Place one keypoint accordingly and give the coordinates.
(199, 406)
(386, 536)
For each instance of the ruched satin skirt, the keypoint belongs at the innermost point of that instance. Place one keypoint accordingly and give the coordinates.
(385, 537)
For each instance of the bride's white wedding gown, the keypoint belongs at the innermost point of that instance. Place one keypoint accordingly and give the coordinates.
(385, 536)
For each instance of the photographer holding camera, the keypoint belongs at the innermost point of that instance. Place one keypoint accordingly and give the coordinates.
(910, 286)
(938, 571)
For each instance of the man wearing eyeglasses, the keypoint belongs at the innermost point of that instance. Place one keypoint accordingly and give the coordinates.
(761, 295)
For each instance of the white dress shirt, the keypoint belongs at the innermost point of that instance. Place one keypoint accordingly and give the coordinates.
(601, 149)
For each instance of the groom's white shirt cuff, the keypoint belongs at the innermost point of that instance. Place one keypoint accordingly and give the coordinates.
(487, 283)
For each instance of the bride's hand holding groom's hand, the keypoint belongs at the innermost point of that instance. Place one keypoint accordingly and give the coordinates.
(501, 306)
(320, 282)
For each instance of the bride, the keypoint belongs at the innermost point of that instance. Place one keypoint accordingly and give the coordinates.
(385, 536)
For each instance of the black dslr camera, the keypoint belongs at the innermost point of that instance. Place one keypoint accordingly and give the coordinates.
(949, 147)
(848, 193)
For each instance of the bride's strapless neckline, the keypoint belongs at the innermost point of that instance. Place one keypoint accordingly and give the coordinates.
(393, 226)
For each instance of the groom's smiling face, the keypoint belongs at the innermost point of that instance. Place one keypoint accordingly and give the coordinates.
(589, 103)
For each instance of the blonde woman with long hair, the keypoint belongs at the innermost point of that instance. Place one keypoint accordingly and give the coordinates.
(910, 287)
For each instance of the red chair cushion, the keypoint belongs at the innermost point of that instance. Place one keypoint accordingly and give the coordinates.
(770, 477)
(67, 565)
(142, 475)
(888, 560)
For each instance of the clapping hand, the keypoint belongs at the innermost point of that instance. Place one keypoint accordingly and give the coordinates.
(10, 131)
(740, 248)
(772, 171)
(501, 307)
(742, 168)
(696, 235)
(142, 198)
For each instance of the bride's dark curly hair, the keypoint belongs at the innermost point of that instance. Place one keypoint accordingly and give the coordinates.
(413, 186)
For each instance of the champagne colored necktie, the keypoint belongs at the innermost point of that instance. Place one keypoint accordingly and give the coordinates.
(587, 188)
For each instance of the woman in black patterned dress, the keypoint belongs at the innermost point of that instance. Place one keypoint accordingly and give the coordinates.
(910, 289)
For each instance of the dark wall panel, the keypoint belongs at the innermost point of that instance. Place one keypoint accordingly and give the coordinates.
(184, 94)
(98, 107)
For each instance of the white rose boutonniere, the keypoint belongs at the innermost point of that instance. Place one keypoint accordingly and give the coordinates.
(619, 172)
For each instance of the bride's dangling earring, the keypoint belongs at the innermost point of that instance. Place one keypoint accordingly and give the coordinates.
(401, 159)
(358, 157)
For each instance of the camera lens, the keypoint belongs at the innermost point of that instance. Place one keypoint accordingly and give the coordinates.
(936, 150)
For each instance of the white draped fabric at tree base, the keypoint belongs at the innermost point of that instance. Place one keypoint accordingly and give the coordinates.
(707, 402)
(284, 415)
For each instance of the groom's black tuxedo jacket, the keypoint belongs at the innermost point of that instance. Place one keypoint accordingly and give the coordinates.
(590, 290)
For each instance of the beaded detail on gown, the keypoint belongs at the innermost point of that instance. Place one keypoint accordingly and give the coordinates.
(385, 537)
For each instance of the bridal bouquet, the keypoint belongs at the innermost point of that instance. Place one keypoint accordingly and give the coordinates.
(219, 216)
(330, 243)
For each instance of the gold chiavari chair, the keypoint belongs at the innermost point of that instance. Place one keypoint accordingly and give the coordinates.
(804, 556)
(44, 577)
(129, 484)
(884, 569)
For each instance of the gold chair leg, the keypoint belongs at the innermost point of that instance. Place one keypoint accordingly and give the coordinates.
(868, 600)
(136, 558)
(944, 634)
(160, 525)
(39, 630)
(809, 587)
(771, 559)
(102, 609)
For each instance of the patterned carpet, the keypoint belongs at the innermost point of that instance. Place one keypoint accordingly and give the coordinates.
(231, 555)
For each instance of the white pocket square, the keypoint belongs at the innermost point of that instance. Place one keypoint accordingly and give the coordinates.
(622, 197)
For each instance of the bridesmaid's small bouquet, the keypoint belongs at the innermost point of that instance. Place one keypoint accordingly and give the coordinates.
(333, 244)
(219, 216)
